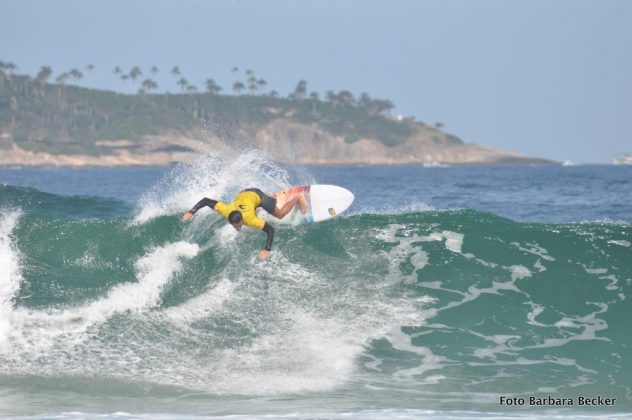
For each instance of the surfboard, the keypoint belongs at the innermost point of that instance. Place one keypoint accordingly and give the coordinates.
(323, 202)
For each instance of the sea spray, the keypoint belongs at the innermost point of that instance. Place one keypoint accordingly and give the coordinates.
(214, 176)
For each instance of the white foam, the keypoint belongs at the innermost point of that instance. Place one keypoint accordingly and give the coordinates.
(37, 330)
(308, 328)
(613, 285)
(153, 271)
(419, 260)
(596, 270)
(613, 282)
(226, 233)
(10, 275)
(453, 241)
(203, 305)
(519, 272)
(536, 310)
(416, 207)
(311, 353)
(429, 360)
(406, 250)
(534, 249)
(587, 325)
(539, 266)
(621, 242)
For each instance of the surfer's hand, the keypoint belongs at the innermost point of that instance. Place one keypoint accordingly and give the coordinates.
(187, 216)
(264, 254)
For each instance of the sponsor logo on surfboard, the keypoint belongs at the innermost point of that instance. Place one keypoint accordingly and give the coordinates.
(332, 211)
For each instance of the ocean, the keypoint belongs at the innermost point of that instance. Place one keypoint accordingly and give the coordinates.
(443, 292)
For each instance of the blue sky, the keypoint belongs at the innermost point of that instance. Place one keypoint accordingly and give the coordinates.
(547, 78)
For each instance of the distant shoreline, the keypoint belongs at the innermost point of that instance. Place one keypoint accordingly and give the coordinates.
(47, 160)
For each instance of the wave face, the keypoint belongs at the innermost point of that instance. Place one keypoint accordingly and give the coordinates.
(436, 309)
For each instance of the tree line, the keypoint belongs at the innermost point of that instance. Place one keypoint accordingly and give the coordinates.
(145, 83)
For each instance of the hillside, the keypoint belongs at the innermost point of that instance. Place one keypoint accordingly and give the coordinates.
(59, 124)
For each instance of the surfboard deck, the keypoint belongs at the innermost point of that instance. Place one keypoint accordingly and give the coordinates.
(323, 202)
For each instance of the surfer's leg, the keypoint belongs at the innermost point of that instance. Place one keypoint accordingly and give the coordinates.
(280, 213)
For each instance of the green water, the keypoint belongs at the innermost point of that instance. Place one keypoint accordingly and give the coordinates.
(434, 310)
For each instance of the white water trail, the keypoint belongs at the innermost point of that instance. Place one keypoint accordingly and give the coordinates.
(37, 330)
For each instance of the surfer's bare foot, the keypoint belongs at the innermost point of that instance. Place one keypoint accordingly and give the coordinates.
(303, 203)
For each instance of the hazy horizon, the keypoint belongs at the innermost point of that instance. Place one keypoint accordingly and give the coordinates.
(548, 79)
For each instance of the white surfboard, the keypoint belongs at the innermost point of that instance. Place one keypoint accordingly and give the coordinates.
(324, 202)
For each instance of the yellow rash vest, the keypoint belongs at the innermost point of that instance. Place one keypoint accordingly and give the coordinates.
(245, 202)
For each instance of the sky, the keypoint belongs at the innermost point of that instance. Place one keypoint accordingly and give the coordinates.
(551, 79)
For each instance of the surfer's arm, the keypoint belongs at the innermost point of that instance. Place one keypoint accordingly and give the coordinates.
(269, 230)
(202, 203)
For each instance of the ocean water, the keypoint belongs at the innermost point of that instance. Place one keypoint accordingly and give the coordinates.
(470, 292)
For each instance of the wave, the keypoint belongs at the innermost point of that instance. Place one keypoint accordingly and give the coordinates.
(431, 303)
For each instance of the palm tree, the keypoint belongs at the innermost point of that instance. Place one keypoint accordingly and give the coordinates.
(372, 106)
(191, 89)
(261, 83)
(10, 67)
(154, 70)
(117, 70)
(41, 79)
(175, 71)
(238, 87)
(383, 106)
(76, 74)
(61, 81)
(365, 100)
(252, 84)
(148, 85)
(134, 73)
(346, 98)
(89, 67)
(43, 75)
(300, 91)
(212, 87)
(235, 70)
(183, 83)
(62, 78)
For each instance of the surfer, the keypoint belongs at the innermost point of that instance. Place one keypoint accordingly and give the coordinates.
(242, 212)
